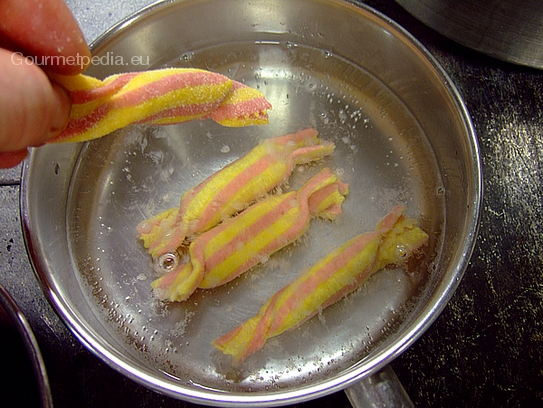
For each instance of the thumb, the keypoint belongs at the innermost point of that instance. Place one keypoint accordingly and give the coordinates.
(32, 109)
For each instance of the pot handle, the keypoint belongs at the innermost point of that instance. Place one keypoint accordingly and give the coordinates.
(382, 389)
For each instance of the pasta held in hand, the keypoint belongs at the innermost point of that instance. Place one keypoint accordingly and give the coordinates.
(159, 97)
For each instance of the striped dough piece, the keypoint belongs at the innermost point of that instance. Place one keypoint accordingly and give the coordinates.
(231, 189)
(342, 271)
(235, 246)
(160, 97)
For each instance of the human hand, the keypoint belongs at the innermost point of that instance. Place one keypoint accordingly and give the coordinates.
(36, 37)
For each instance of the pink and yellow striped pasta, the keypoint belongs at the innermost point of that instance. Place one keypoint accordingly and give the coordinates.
(342, 271)
(236, 245)
(160, 97)
(231, 189)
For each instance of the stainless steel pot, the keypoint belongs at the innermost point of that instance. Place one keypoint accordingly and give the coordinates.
(402, 135)
(508, 30)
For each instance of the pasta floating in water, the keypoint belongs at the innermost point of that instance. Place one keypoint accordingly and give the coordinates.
(342, 271)
(160, 97)
(231, 189)
(241, 242)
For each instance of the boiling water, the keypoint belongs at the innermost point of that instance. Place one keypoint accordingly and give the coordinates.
(136, 172)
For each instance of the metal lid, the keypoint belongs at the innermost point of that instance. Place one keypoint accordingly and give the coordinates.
(508, 30)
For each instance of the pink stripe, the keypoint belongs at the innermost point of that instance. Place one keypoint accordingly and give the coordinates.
(263, 327)
(229, 191)
(358, 280)
(314, 185)
(167, 280)
(298, 227)
(279, 141)
(255, 108)
(319, 196)
(182, 113)
(250, 232)
(297, 137)
(80, 125)
(84, 96)
(391, 218)
(187, 198)
(225, 338)
(307, 286)
(167, 84)
(172, 242)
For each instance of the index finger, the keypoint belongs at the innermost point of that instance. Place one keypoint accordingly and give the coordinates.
(47, 30)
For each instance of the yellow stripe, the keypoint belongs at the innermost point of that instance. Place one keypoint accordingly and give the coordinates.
(165, 217)
(259, 185)
(335, 198)
(196, 94)
(273, 174)
(262, 183)
(242, 121)
(241, 94)
(146, 77)
(209, 192)
(76, 82)
(326, 289)
(120, 117)
(252, 247)
(239, 225)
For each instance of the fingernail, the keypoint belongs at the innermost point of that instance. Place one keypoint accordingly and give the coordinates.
(62, 112)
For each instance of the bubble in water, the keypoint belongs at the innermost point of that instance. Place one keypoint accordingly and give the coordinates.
(167, 262)
(187, 57)
(342, 116)
(401, 251)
